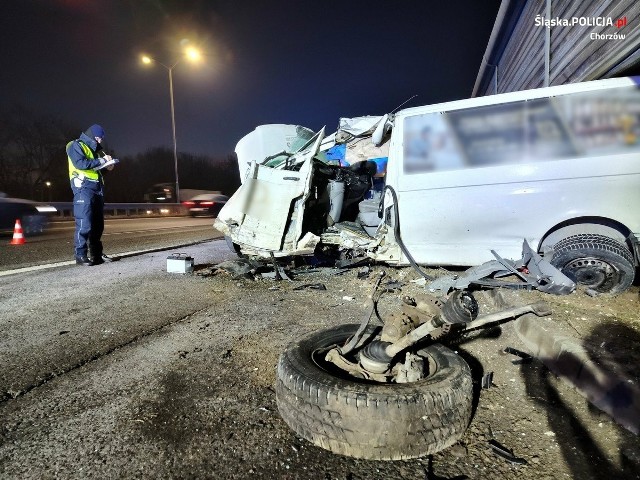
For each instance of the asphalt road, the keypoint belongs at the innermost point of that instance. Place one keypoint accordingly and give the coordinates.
(123, 370)
(120, 236)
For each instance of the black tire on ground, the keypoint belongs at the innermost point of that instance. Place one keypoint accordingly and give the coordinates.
(595, 261)
(367, 419)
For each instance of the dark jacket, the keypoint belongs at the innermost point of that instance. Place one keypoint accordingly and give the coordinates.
(77, 156)
(81, 162)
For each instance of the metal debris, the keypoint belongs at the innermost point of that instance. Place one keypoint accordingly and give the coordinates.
(353, 262)
(311, 286)
(505, 453)
(392, 285)
(524, 357)
(250, 269)
(364, 271)
(487, 380)
(242, 267)
(340, 271)
(280, 273)
(532, 270)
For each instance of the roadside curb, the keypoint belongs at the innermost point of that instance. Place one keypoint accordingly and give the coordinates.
(613, 393)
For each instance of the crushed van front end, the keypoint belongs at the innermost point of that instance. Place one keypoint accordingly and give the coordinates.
(293, 203)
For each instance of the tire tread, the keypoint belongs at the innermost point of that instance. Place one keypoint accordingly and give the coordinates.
(348, 422)
(609, 249)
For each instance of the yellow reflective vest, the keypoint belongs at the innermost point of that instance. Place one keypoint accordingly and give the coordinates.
(82, 174)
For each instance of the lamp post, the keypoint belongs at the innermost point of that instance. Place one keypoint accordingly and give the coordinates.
(48, 184)
(192, 55)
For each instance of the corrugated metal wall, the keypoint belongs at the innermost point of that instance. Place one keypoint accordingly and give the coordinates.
(574, 56)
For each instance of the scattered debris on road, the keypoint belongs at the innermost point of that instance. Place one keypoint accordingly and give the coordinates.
(532, 270)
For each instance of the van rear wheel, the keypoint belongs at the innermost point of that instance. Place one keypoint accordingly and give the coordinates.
(595, 261)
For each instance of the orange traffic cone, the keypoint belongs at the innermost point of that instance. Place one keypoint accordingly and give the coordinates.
(18, 237)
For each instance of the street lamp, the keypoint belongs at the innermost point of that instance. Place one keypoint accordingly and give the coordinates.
(48, 184)
(193, 55)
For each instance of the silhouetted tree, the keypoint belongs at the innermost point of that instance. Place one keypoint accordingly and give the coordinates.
(32, 153)
(136, 175)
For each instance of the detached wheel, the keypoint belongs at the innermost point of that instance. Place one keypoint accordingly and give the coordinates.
(595, 261)
(366, 419)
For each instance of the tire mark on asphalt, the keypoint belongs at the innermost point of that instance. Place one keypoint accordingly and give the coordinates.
(6, 396)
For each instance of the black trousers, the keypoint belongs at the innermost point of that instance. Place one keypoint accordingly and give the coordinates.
(88, 210)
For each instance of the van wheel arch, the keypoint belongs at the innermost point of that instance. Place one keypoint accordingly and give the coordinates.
(593, 226)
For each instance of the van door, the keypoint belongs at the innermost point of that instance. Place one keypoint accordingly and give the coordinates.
(266, 212)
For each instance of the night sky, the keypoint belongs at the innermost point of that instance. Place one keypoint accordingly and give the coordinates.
(301, 62)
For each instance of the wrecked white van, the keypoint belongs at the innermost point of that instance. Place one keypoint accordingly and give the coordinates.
(445, 184)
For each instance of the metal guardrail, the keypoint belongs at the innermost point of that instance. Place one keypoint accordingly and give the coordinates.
(65, 209)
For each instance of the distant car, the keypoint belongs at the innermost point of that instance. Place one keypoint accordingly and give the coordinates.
(33, 216)
(208, 204)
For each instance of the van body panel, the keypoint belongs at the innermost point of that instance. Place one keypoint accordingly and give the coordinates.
(473, 187)
(444, 225)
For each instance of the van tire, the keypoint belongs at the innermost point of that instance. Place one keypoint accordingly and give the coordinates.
(596, 262)
(366, 419)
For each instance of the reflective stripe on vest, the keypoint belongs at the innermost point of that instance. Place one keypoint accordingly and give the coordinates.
(82, 174)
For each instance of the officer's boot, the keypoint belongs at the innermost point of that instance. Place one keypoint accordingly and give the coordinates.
(84, 260)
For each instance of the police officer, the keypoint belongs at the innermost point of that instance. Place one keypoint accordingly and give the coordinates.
(85, 175)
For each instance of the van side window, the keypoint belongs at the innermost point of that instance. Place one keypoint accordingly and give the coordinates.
(430, 144)
(603, 122)
(568, 126)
